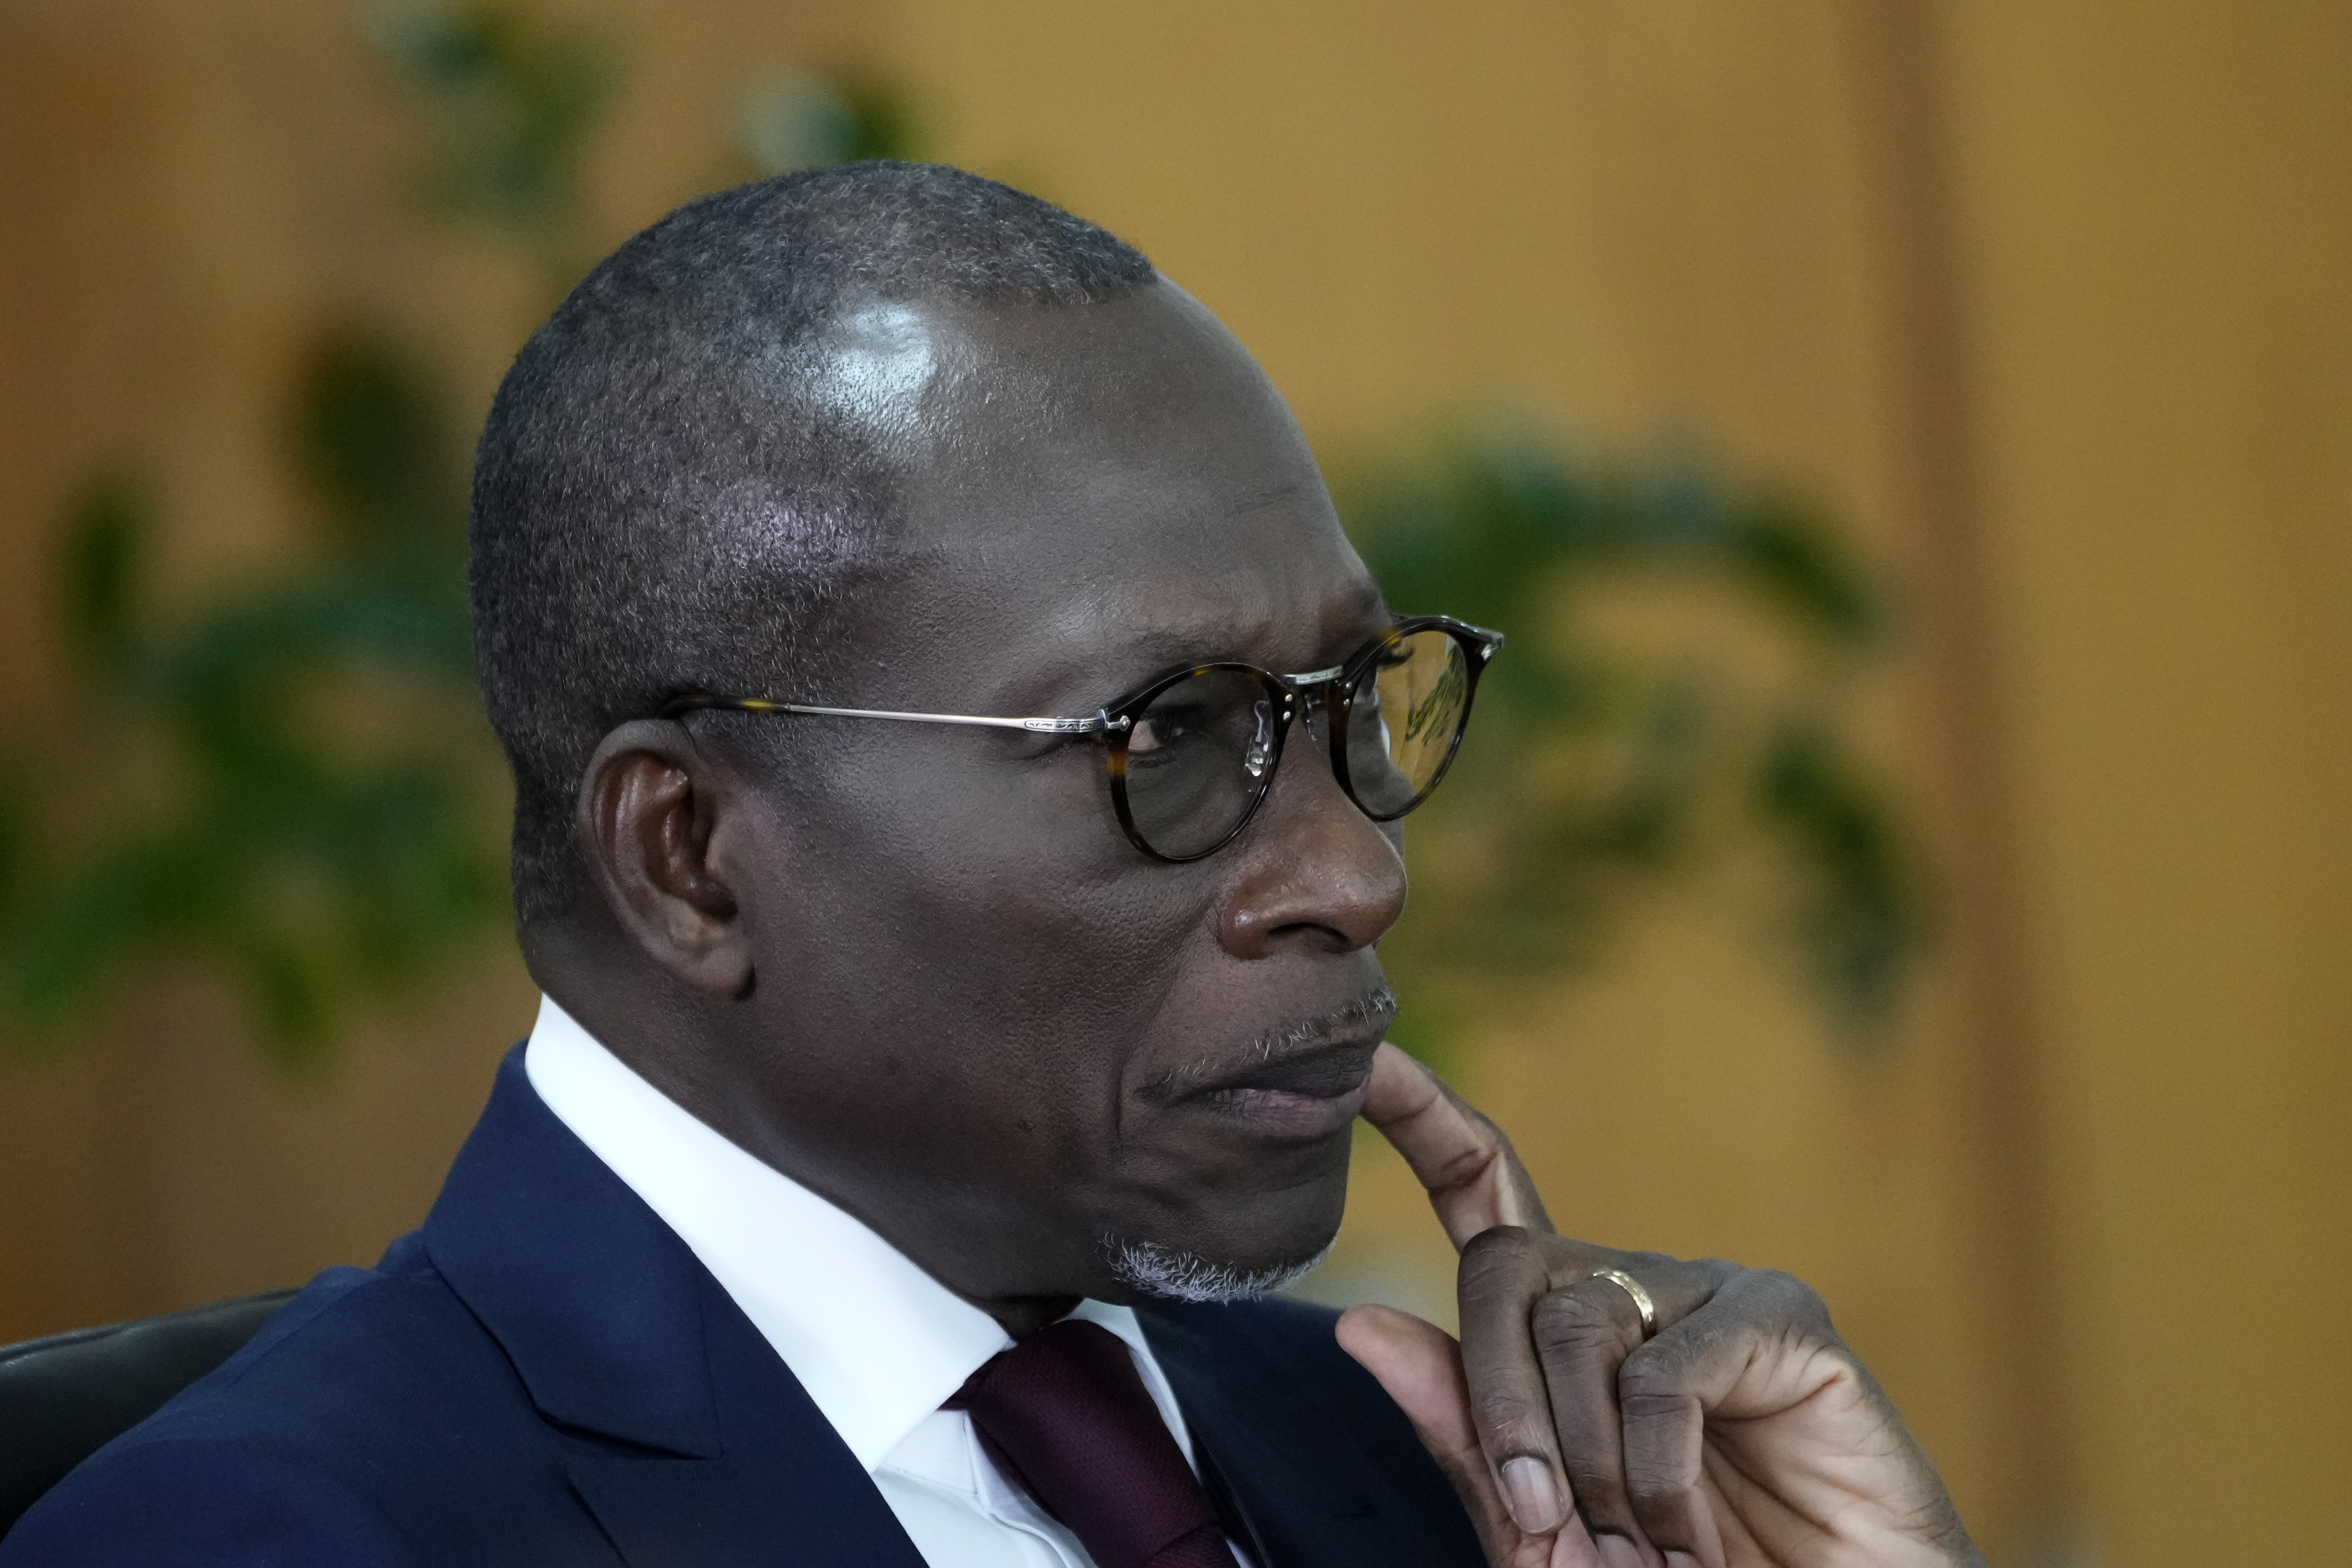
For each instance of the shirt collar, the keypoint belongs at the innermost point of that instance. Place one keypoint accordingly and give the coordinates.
(878, 1344)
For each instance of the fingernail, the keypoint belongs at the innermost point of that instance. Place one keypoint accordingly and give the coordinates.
(1532, 1496)
(1681, 1559)
(1616, 1551)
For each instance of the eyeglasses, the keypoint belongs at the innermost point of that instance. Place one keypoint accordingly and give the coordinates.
(1193, 750)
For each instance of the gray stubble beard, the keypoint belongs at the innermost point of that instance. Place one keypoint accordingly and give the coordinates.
(1168, 1274)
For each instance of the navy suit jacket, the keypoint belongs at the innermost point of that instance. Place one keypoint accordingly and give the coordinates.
(545, 1373)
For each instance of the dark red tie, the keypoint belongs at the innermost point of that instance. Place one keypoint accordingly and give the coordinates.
(1067, 1419)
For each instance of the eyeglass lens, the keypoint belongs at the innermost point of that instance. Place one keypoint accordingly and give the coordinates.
(1197, 760)
(1407, 711)
(1200, 753)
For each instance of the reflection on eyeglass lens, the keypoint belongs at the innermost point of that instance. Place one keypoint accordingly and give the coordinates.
(1201, 753)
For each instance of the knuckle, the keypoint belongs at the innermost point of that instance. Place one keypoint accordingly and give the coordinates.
(1649, 1387)
(1714, 1274)
(1653, 1406)
(1591, 1472)
(1465, 1166)
(1653, 1488)
(1503, 1144)
(1505, 1241)
(1573, 1318)
(1791, 1302)
(1600, 1489)
(1498, 1260)
(1781, 1287)
(1762, 1307)
(1600, 1499)
(1502, 1413)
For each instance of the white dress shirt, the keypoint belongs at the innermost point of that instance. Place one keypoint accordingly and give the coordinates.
(876, 1341)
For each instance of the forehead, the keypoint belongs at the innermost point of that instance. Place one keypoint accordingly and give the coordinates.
(1113, 484)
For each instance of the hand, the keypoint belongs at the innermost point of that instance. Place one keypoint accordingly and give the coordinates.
(1743, 1434)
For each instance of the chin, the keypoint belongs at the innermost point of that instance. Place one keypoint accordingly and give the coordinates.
(1198, 1243)
(1156, 1271)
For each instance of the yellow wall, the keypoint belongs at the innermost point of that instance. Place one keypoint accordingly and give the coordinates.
(2052, 301)
(2158, 204)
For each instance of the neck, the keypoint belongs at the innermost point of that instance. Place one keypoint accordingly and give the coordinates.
(1025, 1315)
(940, 1234)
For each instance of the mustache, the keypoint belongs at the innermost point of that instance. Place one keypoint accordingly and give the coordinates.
(1329, 1045)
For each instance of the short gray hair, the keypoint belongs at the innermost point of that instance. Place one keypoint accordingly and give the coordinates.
(662, 499)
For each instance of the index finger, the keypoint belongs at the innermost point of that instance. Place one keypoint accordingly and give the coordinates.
(1474, 1178)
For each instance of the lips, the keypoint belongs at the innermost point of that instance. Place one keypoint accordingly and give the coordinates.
(1311, 1094)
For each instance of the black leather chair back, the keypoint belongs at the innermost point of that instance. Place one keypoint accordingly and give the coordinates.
(65, 1397)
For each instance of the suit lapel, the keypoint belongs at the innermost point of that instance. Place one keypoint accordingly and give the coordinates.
(682, 1430)
(786, 1492)
(1280, 1460)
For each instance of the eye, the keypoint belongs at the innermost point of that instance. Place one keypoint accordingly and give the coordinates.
(1166, 724)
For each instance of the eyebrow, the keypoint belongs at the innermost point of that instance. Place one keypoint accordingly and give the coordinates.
(1151, 649)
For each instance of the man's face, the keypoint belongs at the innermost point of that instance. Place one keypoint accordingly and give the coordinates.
(982, 1019)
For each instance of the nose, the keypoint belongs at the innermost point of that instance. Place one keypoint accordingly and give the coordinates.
(1313, 873)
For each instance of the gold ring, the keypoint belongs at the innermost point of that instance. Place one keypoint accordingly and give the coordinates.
(1633, 1286)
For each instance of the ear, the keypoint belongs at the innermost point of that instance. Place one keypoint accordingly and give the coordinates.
(663, 826)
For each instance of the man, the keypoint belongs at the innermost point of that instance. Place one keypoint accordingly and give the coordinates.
(957, 764)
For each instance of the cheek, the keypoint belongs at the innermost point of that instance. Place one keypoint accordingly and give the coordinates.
(1014, 873)
(975, 957)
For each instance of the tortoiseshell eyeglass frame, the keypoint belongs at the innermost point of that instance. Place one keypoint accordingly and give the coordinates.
(1115, 720)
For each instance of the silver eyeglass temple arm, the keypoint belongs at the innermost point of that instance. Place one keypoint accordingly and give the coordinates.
(1094, 725)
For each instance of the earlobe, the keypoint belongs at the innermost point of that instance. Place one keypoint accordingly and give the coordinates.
(657, 819)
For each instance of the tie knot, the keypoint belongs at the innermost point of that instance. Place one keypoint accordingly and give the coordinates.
(1065, 1416)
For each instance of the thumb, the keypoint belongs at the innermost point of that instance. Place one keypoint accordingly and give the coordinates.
(1421, 1367)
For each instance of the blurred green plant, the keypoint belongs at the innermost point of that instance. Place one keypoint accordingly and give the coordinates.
(799, 119)
(1591, 772)
(284, 783)
(509, 110)
(288, 781)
